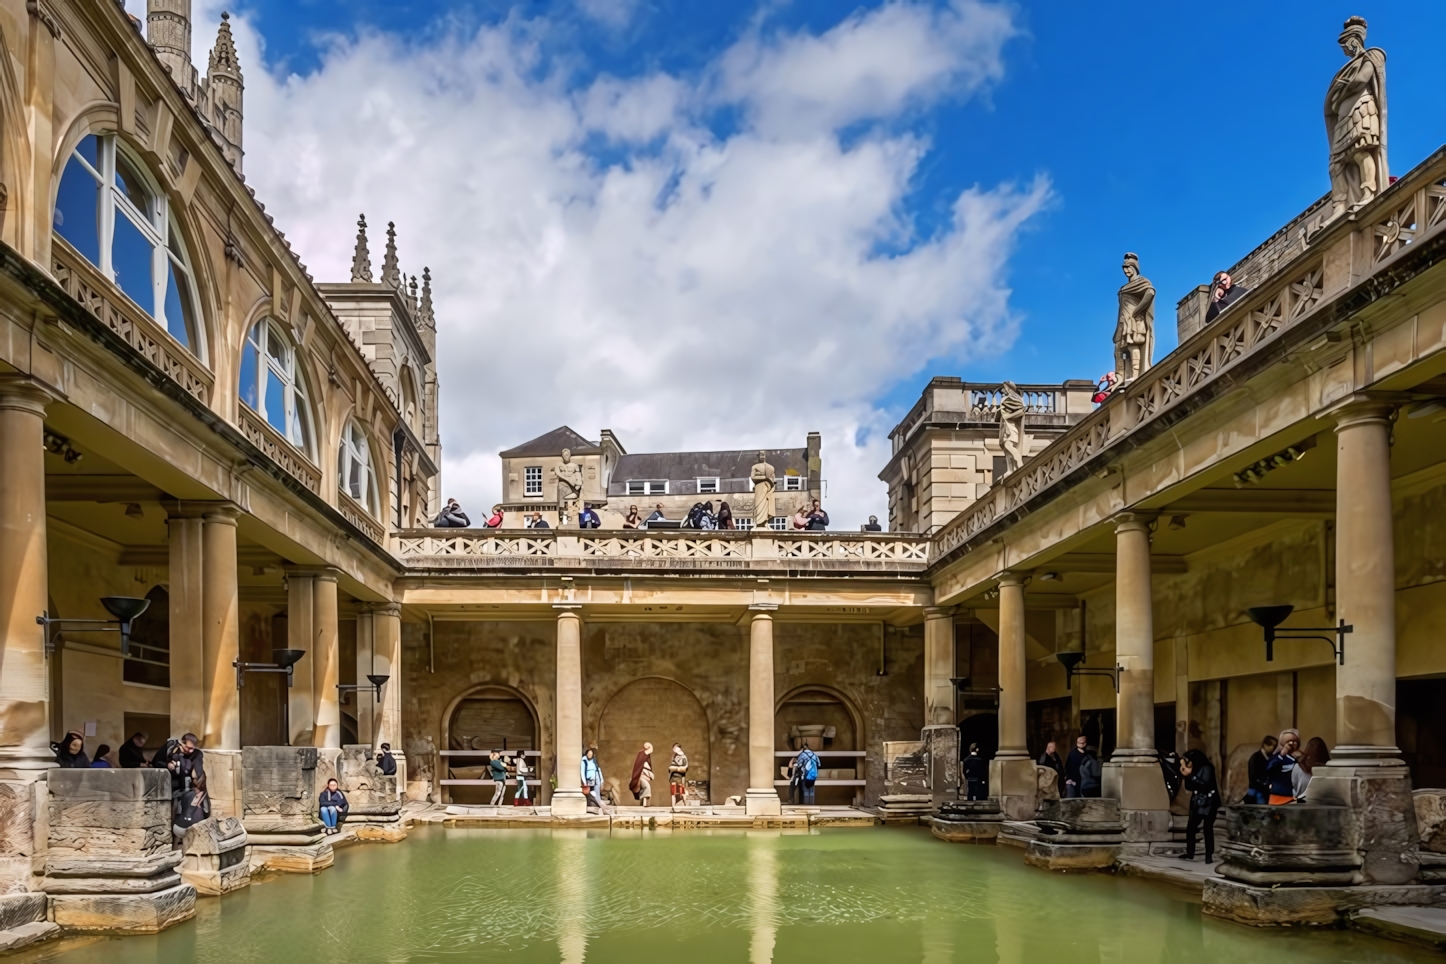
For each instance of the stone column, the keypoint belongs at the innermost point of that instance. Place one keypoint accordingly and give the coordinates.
(325, 699)
(300, 634)
(567, 799)
(365, 646)
(187, 614)
(387, 638)
(220, 630)
(1011, 774)
(939, 666)
(24, 593)
(1132, 775)
(1366, 772)
(762, 798)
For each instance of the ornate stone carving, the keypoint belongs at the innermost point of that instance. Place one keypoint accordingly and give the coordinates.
(1011, 427)
(569, 488)
(361, 258)
(764, 482)
(1355, 117)
(1135, 328)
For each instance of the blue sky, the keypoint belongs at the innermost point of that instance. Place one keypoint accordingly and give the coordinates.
(1184, 133)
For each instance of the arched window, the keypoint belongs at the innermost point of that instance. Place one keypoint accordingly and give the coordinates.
(354, 467)
(272, 385)
(109, 210)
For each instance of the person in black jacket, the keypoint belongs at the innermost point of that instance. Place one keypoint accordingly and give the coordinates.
(386, 762)
(817, 518)
(1050, 759)
(188, 771)
(1204, 802)
(1089, 774)
(133, 752)
(70, 752)
(1071, 768)
(1258, 780)
(976, 774)
(1223, 294)
(451, 517)
(333, 806)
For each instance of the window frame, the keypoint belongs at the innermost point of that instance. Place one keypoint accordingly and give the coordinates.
(298, 425)
(714, 481)
(647, 487)
(528, 482)
(349, 452)
(159, 228)
(791, 483)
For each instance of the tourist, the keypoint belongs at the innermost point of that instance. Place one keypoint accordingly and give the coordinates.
(1224, 293)
(587, 518)
(678, 772)
(706, 519)
(386, 762)
(133, 752)
(537, 522)
(99, 762)
(873, 525)
(521, 796)
(188, 771)
(70, 752)
(641, 782)
(976, 774)
(451, 517)
(195, 806)
(333, 806)
(1089, 774)
(794, 775)
(817, 518)
(725, 516)
(1170, 770)
(693, 520)
(1204, 802)
(633, 520)
(1071, 767)
(495, 520)
(1258, 784)
(498, 767)
(1316, 754)
(1050, 760)
(800, 518)
(1279, 770)
(592, 778)
(808, 774)
(657, 515)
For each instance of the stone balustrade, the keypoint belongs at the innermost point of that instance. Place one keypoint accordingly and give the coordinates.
(642, 549)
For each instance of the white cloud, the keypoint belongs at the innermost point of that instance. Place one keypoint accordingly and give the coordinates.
(610, 13)
(694, 291)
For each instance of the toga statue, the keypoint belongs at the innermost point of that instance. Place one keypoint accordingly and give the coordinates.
(1011, 427)
(569, 488)
(764, 483)
(1135, 329)
(1355, 117)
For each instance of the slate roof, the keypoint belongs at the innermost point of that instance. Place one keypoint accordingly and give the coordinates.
(553, 443)
(680, 467)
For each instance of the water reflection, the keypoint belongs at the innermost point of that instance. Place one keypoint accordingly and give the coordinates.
(570, 863)
(762, 896)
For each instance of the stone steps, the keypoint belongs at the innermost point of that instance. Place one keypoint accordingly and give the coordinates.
(23, 935)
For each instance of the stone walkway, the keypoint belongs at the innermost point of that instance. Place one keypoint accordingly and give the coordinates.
(1188, 875)
(1420, 925)
(640, 818)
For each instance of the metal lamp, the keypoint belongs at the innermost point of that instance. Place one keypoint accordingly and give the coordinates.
(285, 659)
(1269, 617)
(125, 609)
(377, 681)
(1071, 661)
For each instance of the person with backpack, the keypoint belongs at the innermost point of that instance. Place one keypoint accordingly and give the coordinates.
(1204, 802)
(1089, 774)
(522, 796)
(808, 774)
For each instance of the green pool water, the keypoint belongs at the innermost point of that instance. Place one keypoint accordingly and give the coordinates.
(695, 898)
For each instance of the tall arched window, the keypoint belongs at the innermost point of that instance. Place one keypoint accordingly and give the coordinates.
(354, 467)
(272, 384)
(110, 211)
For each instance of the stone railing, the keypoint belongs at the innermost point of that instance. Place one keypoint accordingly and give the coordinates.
(642, 549)
(1411, 210)
(84, 282)
(279, 450)
(357, 515)
(984, 401)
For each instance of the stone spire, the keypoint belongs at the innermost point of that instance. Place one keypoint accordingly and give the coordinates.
(168, 29)
(414, 295)
(361, 259)
(391, 274)
(428, 319)
(223, 93)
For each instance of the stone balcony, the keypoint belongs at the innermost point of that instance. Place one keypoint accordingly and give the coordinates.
(641, 550)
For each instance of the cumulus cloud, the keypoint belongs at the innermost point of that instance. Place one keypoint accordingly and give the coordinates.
(603, 257)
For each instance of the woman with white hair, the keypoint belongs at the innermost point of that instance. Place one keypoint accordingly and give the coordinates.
(1280, 771)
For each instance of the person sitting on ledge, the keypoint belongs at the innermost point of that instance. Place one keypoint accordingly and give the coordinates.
(656, 516)
(133, 752)
(495, 521)
(1280, 771)
(873, 525)
(800, 518)
(588, 518)
(537, 522)
(634, 519)
(386, 762)
(817, 518)
(100, 762)
(452, 517)
(1258, 783)
(70, 752)
(333, 806)
(1223, 294)
(725, 517)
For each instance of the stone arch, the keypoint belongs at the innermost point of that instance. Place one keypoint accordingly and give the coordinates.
(661, 711)
(808, 713)
(485, 717)
(15, 158)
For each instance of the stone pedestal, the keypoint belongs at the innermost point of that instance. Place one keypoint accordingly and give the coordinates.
(1139, 786)
(1015, 784)
(23, 921)
(1082, 833)
(941, 762)
(109, 864)
(280, 810)
(215, 857)
(224, 782)
(374, 801)
(908, 796)
(967, 821)
(1382, 824)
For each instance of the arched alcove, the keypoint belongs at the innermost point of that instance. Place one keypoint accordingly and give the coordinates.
(662, 712)
(981, 728)
(828, 722)
(487, 718)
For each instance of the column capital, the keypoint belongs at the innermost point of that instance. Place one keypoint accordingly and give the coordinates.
(762, 609)
(1364, 407)
(1135, 521)
(381, 609)
(313, 572)
(25, 394)
(1020, 579)
(939, 612)
(222, 513)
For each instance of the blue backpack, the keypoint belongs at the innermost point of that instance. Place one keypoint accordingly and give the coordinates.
(810, 765)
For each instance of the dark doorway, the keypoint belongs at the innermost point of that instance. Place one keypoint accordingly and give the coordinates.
(981, 728)
(1098, 726)
(1049, 720)
(1164, 728)
(1421, 729)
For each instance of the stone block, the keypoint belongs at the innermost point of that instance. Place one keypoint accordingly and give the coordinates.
(367, 789)
(1016, 784)
(307, 859)
(905, 770)
(390, 832)
(280, 789)
(941, 758)
(1383, 816)
(1324, 906)
(124, 913)
(22, 831)
(1053, 856)
(98, 813)
(224, 782)
(216, 857)
(1430, 808)
(1295, 845)
(983, 828)
(1081, 812)
(24, 935)
(19, 909)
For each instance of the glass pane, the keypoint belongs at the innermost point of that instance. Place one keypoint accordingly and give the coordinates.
(248, 375)
(276, 403)
(180, 314)
(301, 428)
(132, 257)
(276, 348)
(354, 481)
(77, 210)
(89, 148)
(133, 186)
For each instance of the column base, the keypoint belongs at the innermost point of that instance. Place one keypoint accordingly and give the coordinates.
(762, 803)
(1133, 777)
(1376, 790)
(1014, 783)
(224, 782)
(568, 802)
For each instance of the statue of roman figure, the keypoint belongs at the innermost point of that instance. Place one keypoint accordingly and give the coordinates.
(1355, 117)
(764, 483)
(569, 488)
(1135, 329)
(1011, 427)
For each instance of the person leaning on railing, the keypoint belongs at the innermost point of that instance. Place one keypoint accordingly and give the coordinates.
(1224, 293)
(452, 517)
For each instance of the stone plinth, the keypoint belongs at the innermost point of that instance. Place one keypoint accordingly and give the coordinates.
(1015, 784)
(281, 815)
(1083, 833)
(109, 864)
(216, 859)
(1430, 806)
(1382, 825)
(1295, 845)
(941, 762)
(1325, 906)
(1144, 803)
(374, 799)
(967, 821)
(23, 921)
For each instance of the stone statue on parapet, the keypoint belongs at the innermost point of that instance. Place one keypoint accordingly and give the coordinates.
(1355, 117)
(764, 483)
(1135, 329)
(569, 488)
(1011, 427)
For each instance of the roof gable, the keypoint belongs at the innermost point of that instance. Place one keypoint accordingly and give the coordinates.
(552, 443)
